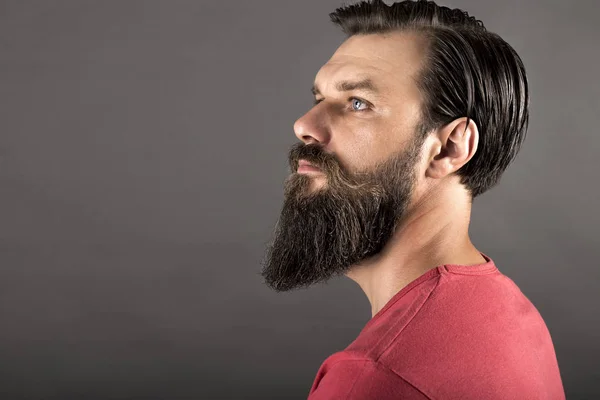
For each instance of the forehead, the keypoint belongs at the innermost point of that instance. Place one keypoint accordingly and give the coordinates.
(391, 60)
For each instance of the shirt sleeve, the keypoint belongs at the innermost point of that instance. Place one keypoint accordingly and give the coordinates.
(361, 380)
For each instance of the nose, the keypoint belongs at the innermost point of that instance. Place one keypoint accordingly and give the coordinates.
(312, 127)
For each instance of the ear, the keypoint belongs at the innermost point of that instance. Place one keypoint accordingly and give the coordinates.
(454, 145)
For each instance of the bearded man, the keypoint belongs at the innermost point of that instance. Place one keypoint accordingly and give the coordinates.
(420, 110)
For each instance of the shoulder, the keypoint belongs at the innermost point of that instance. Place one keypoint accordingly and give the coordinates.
(362, 379)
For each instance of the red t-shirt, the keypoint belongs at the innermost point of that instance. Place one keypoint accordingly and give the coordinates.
(456, 332)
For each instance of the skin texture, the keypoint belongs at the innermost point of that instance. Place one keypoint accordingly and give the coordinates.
(385, 207)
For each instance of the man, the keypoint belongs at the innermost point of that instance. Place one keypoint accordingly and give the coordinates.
(419, 111)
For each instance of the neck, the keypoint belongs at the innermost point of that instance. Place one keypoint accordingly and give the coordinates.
(434, 232)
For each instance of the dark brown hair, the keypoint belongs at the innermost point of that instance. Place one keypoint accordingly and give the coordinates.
(468, 72)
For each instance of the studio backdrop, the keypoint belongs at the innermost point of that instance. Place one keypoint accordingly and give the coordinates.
(143, 150)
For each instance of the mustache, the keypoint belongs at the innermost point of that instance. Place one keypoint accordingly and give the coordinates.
(314, 154)
(338, 177)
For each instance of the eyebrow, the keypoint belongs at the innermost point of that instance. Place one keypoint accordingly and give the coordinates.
(346, 86)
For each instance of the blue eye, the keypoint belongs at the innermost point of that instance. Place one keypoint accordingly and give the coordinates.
(356, 104)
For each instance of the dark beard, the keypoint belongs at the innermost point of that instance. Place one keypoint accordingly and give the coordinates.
(323, 232)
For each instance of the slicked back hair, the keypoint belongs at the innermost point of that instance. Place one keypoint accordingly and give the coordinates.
(468, 72)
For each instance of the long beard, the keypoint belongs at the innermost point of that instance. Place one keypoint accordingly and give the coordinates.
(323, 232)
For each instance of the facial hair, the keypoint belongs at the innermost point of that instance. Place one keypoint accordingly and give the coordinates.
(323, 232)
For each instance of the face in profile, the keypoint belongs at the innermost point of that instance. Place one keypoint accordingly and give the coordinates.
(354, 172)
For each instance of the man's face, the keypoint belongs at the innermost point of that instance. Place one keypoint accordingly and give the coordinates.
(363, 136)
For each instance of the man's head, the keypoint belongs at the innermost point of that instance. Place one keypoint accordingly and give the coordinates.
(418, 96)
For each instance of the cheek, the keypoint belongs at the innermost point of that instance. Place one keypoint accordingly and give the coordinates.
(369, 146)
(358, 150)
(362, 144)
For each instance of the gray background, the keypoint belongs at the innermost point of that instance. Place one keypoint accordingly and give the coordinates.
(143, 150)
